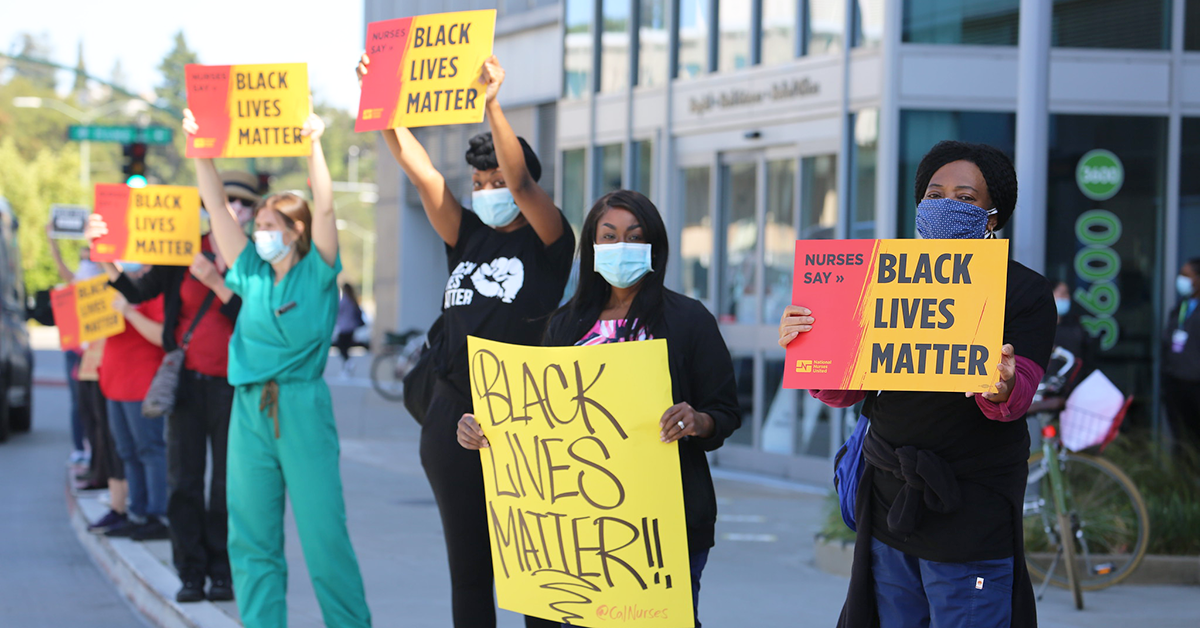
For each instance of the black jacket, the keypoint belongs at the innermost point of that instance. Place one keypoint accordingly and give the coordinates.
(701, 375)
(1186, 365)
(167, 280)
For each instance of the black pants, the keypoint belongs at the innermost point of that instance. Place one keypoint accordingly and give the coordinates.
(1182, 401)
(93, 410)
(457, 482)
(198, 531)
(343, 342)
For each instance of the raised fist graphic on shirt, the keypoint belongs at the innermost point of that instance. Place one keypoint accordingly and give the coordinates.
(503, 277)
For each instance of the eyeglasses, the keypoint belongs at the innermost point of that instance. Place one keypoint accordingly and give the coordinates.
(237, 199)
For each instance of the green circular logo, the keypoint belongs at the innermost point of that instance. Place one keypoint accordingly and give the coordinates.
(1099, 175)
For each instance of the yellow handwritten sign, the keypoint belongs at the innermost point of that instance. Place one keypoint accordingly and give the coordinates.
(923, 315)
(157, 224)
(425, 70)
(248, 110)
(83, 312)
(584, 503)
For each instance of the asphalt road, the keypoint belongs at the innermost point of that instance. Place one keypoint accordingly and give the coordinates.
(47, 579)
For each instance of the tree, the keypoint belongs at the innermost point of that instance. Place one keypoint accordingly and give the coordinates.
(35, 47)
(79, 91)
(173, 88)
(167, 163)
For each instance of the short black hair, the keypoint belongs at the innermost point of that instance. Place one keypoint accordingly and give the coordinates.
(482, 155)
(1195, 264)
(996, 167)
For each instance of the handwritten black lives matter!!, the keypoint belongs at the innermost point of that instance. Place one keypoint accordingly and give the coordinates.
(263, 107)
(574, 555)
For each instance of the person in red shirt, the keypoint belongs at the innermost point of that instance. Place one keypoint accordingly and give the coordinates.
(130, 360)
(205, 399)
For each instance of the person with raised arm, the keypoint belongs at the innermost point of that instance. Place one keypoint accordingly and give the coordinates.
(282, 433)
(509, 259)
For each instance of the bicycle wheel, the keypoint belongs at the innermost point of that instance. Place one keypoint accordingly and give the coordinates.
(386, 378)
(1110, 526)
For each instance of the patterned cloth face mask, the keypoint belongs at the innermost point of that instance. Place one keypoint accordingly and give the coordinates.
(949, 219)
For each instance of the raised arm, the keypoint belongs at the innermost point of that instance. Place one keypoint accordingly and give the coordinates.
(64, 273)
(231, 239)
(324, 219)
(536, 205)
(442, 209)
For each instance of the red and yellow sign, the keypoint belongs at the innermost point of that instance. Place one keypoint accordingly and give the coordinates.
(83, 312)
(918, 315)
(157, 224)
(248, 110)
(425, 70)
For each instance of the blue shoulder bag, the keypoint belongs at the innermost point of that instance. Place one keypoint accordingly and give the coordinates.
(848, 465)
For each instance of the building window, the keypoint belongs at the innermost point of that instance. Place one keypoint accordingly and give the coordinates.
(779, 19)
(1189, 193)
(696, 239)
(818, 194)
(1191, 25)
(868, 23)
(1129, 24)
(920, 130)
(512, 7)
(977, 22)
(643, 167)
(733, 35)
(739, 186)
(743, 375)
(695, 26)
(614, 46)
(826, 22)
(779, 238)
(862, 172)
(653, 43)
(611, 163)
(577, 49)
(574, 184)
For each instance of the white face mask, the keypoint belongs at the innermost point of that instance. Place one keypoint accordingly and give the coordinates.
(269, 246)
(1185, 286)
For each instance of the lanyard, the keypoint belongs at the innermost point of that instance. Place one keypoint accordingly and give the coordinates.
(1184, 310)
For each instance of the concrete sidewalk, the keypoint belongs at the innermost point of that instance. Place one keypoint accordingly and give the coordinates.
(761, 572)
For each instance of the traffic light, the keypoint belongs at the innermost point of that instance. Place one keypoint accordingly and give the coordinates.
(135, 165)
(264, 182)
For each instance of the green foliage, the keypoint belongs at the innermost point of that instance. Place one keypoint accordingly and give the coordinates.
(31, 186)
(173, 88)
(1171, 487)
(834, 528)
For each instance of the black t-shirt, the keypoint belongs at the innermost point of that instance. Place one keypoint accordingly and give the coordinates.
(952, 426)
(502, 286)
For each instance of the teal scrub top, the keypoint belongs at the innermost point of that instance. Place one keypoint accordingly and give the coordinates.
(286, 346)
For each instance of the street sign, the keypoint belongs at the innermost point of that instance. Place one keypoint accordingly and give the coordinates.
(120, 134)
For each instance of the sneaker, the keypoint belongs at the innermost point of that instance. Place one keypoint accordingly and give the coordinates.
(78, 458)
(191, 591)
(221, 590)
(153, 530)
(122, 530)
(107, 522)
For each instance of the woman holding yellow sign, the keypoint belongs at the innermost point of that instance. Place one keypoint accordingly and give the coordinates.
(939, 504)
(282, 432)
(509, 259)
(624, 242)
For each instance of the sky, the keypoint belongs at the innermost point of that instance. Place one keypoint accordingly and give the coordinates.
(328, 35)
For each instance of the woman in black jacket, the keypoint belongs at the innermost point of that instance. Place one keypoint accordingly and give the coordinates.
(623, 299)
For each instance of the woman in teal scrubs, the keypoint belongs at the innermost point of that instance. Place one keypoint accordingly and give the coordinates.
(282, 431)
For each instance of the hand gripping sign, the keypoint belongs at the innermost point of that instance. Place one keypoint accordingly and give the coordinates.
(584, 503)
(425, 70)
(157, 224)
(916, 315)
(248, 110)
(83, 312)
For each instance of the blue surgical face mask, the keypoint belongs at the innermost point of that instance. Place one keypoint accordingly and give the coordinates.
(130, 267)
(496, 208)
(270, 246)
(1062, 305)
(1184, 285)
(622, 264)
(949, 219)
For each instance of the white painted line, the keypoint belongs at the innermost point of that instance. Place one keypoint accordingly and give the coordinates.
(742, 518)
(752, 538)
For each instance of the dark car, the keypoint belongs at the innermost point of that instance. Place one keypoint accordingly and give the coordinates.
(16, 358)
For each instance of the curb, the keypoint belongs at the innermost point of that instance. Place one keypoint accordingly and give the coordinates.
(139, 577)
(834, 557)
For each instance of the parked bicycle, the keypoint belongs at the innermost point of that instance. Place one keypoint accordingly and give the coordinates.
(1085, 522)
(394, 360)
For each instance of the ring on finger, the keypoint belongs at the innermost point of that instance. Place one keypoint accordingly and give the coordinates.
(681, 425)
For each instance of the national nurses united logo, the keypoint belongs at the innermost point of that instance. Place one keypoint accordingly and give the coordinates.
(501, 278)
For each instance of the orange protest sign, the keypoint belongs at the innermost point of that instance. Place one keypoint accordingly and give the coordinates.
(157, 224)
(914, 315)
(248, 110)
(83, 312)
(425, 70)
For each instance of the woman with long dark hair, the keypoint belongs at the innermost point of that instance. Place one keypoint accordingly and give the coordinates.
(622, 298)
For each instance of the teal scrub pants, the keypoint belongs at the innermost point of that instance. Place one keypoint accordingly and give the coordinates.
(260, 468)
